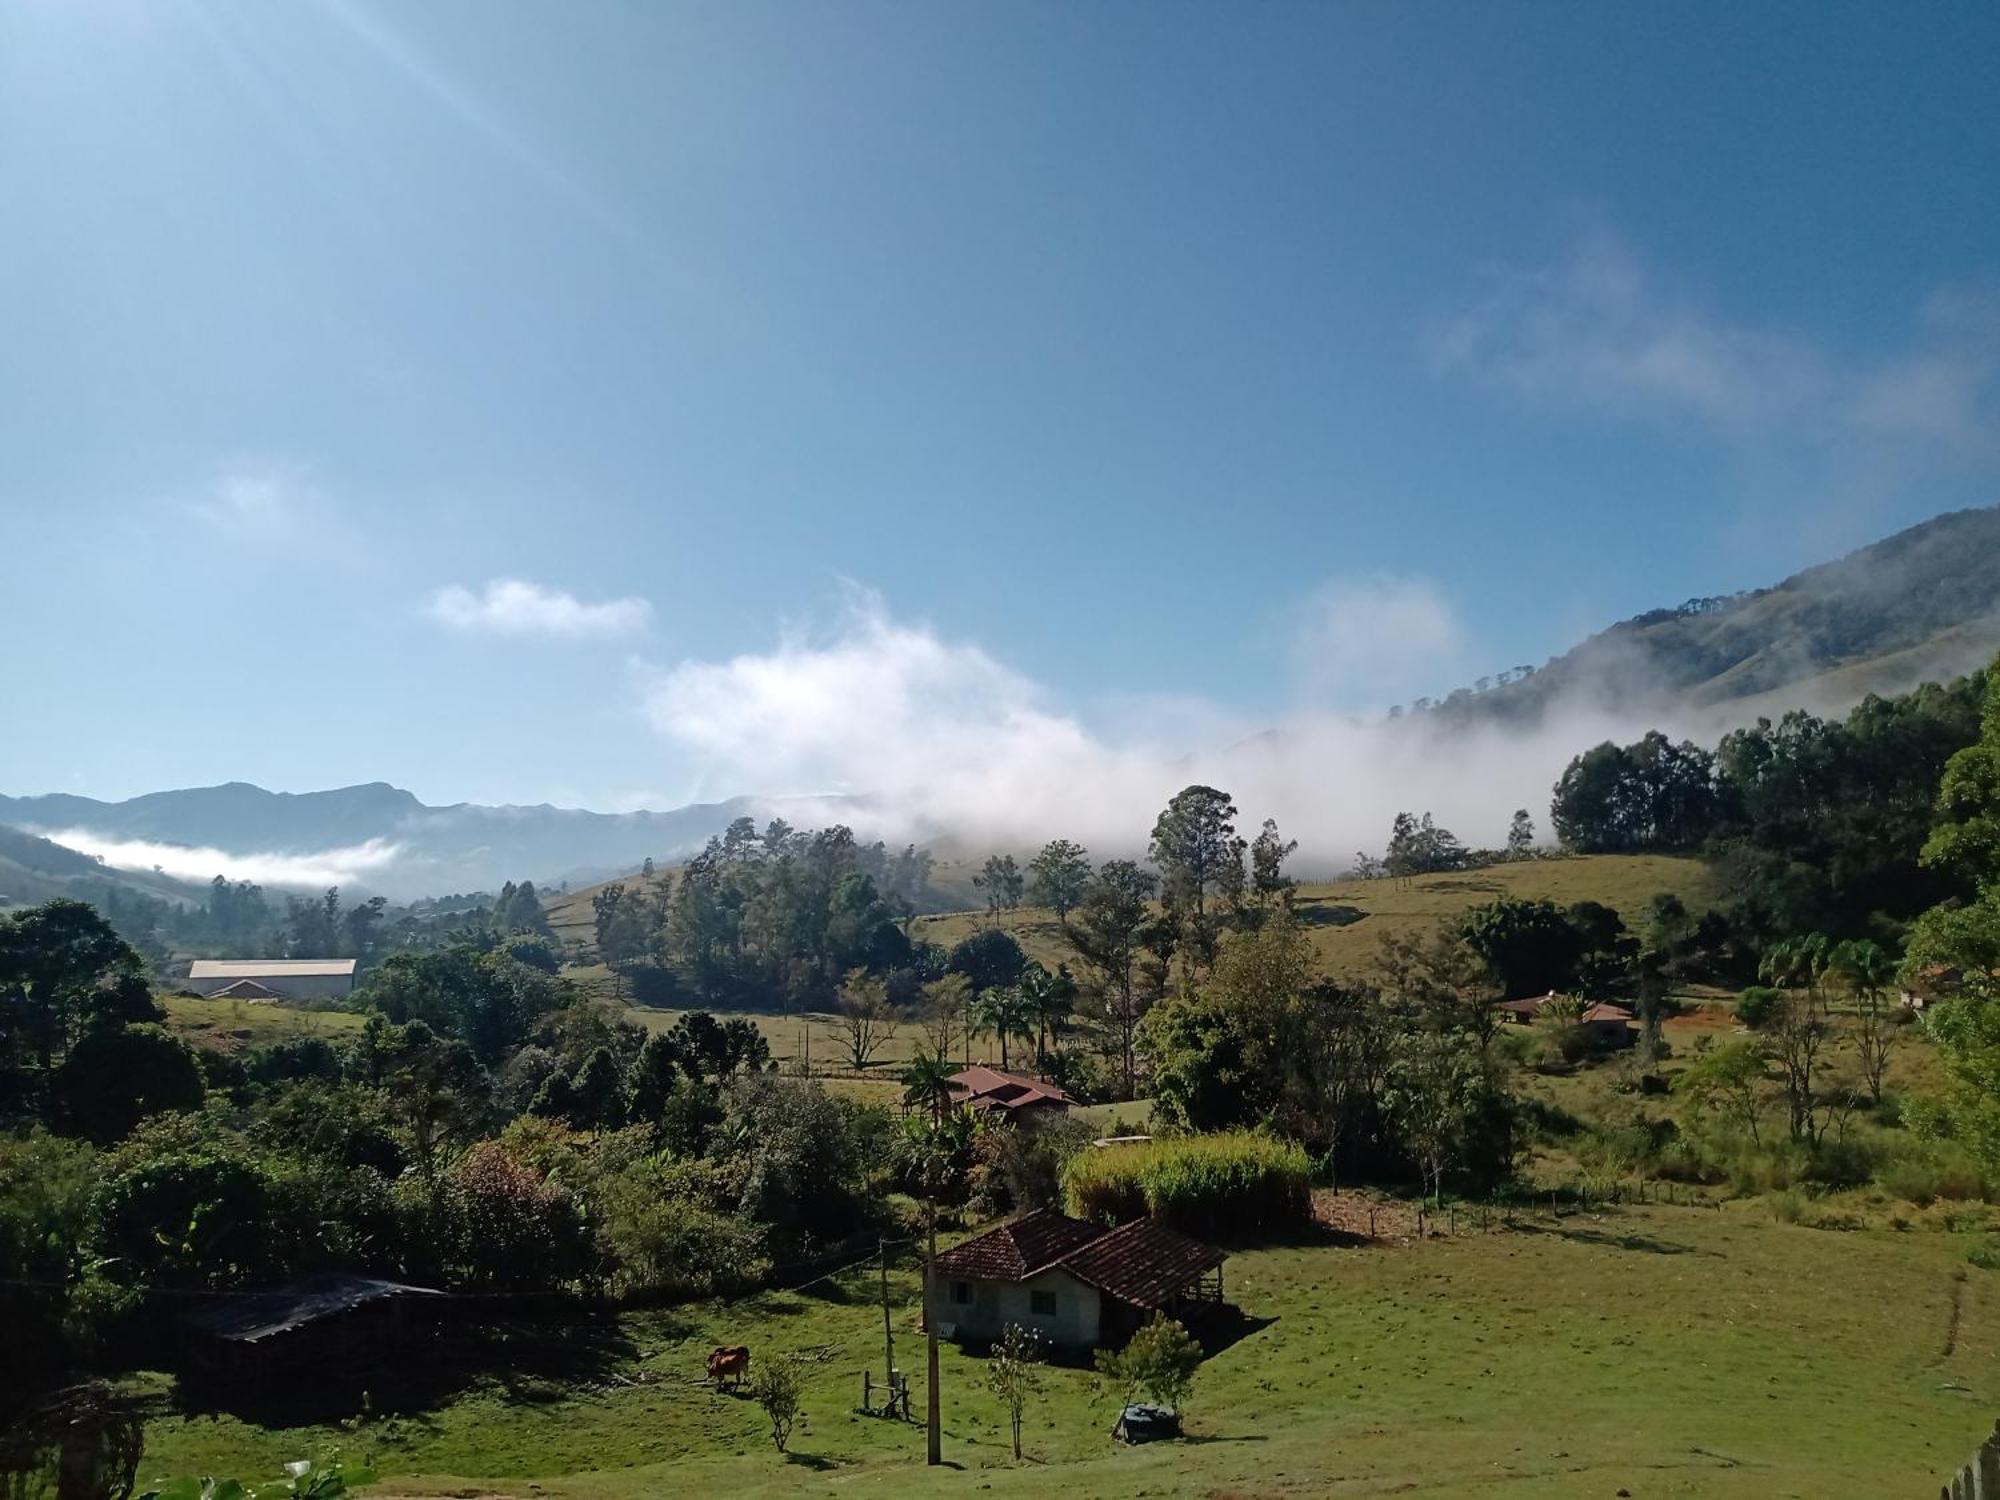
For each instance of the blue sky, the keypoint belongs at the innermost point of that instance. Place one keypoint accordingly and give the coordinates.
(623, 404)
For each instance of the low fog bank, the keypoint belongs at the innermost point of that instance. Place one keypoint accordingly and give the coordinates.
(939, 742)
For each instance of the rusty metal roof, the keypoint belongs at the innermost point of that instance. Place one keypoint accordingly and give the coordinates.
(1018, 1249)
(1143, 1263)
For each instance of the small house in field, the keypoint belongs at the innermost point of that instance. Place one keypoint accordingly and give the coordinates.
(1073, 1284)
(329, 1324)
(1608, 1024)
(272, 978)
(1011, 1096)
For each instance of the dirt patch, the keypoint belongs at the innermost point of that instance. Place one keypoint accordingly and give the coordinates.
(1365, 1216)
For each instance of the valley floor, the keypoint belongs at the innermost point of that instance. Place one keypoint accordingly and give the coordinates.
(1657, 1350)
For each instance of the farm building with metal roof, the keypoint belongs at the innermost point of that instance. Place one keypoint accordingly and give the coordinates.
(272, 978)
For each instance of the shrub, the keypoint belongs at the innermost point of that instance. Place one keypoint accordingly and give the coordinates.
(1756, 1005)
(775, 1385)
(503, 1227)
(1228, 1185)
(1159, 1361)
(114, 1078)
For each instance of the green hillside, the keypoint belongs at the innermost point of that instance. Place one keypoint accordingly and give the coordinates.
(35, 869)
(1349, 918)
(1922, 605)
(1647, 1351)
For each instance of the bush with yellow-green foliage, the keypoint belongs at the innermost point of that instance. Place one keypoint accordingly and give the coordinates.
(1235, 1184)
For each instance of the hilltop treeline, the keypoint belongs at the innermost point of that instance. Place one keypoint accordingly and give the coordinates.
(1812, 824)
(769, 919)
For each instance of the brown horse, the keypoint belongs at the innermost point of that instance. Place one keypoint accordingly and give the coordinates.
(728, 1362)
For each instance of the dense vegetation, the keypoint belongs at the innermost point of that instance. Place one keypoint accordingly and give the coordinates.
(484, 1127)
(1813, 825)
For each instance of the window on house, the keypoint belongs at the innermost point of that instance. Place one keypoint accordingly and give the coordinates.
(961, 1292)
(1042, 1304)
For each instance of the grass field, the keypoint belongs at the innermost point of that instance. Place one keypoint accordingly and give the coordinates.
(1349, 918)
(1655, 1350)
(229, 1024)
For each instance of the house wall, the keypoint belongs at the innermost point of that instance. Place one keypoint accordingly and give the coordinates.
(1075, 1324)
(288, 986)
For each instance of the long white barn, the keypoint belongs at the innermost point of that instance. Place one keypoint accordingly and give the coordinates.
(272, 978)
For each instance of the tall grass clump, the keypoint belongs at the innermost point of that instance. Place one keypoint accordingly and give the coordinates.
(1227, 1186)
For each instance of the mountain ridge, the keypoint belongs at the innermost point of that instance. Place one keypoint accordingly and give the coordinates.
(1921, 604)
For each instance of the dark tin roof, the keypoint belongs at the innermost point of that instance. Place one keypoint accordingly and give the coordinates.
(260, 1315)
(1142, 1262)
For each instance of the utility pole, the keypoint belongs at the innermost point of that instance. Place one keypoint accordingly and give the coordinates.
(936, 1450)
(888, 1333)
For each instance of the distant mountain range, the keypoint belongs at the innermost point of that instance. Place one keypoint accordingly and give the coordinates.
(1924, 604)
(390, 841)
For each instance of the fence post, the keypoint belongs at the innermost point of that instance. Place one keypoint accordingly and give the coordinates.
(1986, 1467)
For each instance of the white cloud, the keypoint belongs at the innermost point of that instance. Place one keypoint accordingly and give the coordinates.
(937, 737)
(252, 499)
(1598, 329)
(346, 866)
(1363, 642)
(517, 607)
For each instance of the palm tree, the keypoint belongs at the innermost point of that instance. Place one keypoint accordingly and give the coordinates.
(1002, 1012)
(1866, 969)
(927, 1085)
(1049, 999)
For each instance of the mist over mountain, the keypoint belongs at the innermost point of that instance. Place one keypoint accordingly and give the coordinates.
(1923, 604)
(374, 837)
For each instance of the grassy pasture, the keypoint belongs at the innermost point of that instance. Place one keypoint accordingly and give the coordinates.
(1347, 919)
(1662, 1350)
(226, 1025)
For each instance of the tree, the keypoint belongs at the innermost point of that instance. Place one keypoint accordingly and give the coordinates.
(989, 959)
(1417, 846)
(1195, 846)
(776, 1385)
(1966, 1028)
(927, 1084)
(1003, 1013)
(1058, 877)
(1050, 999)
(1866, 970)
(1799, 1029)
(1268, 853)
(1435, 1083)
(1013, 1373)
(117, 1075)
(1727, 1080)
(622, 925)
(53, 957)
(435, 1086)
(947, 1012)
(1654, 794)
(1521, 835)
(1107, 936)
(1159, 1361)
(865, 1024)
(1001, 879)
(1966, 834)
